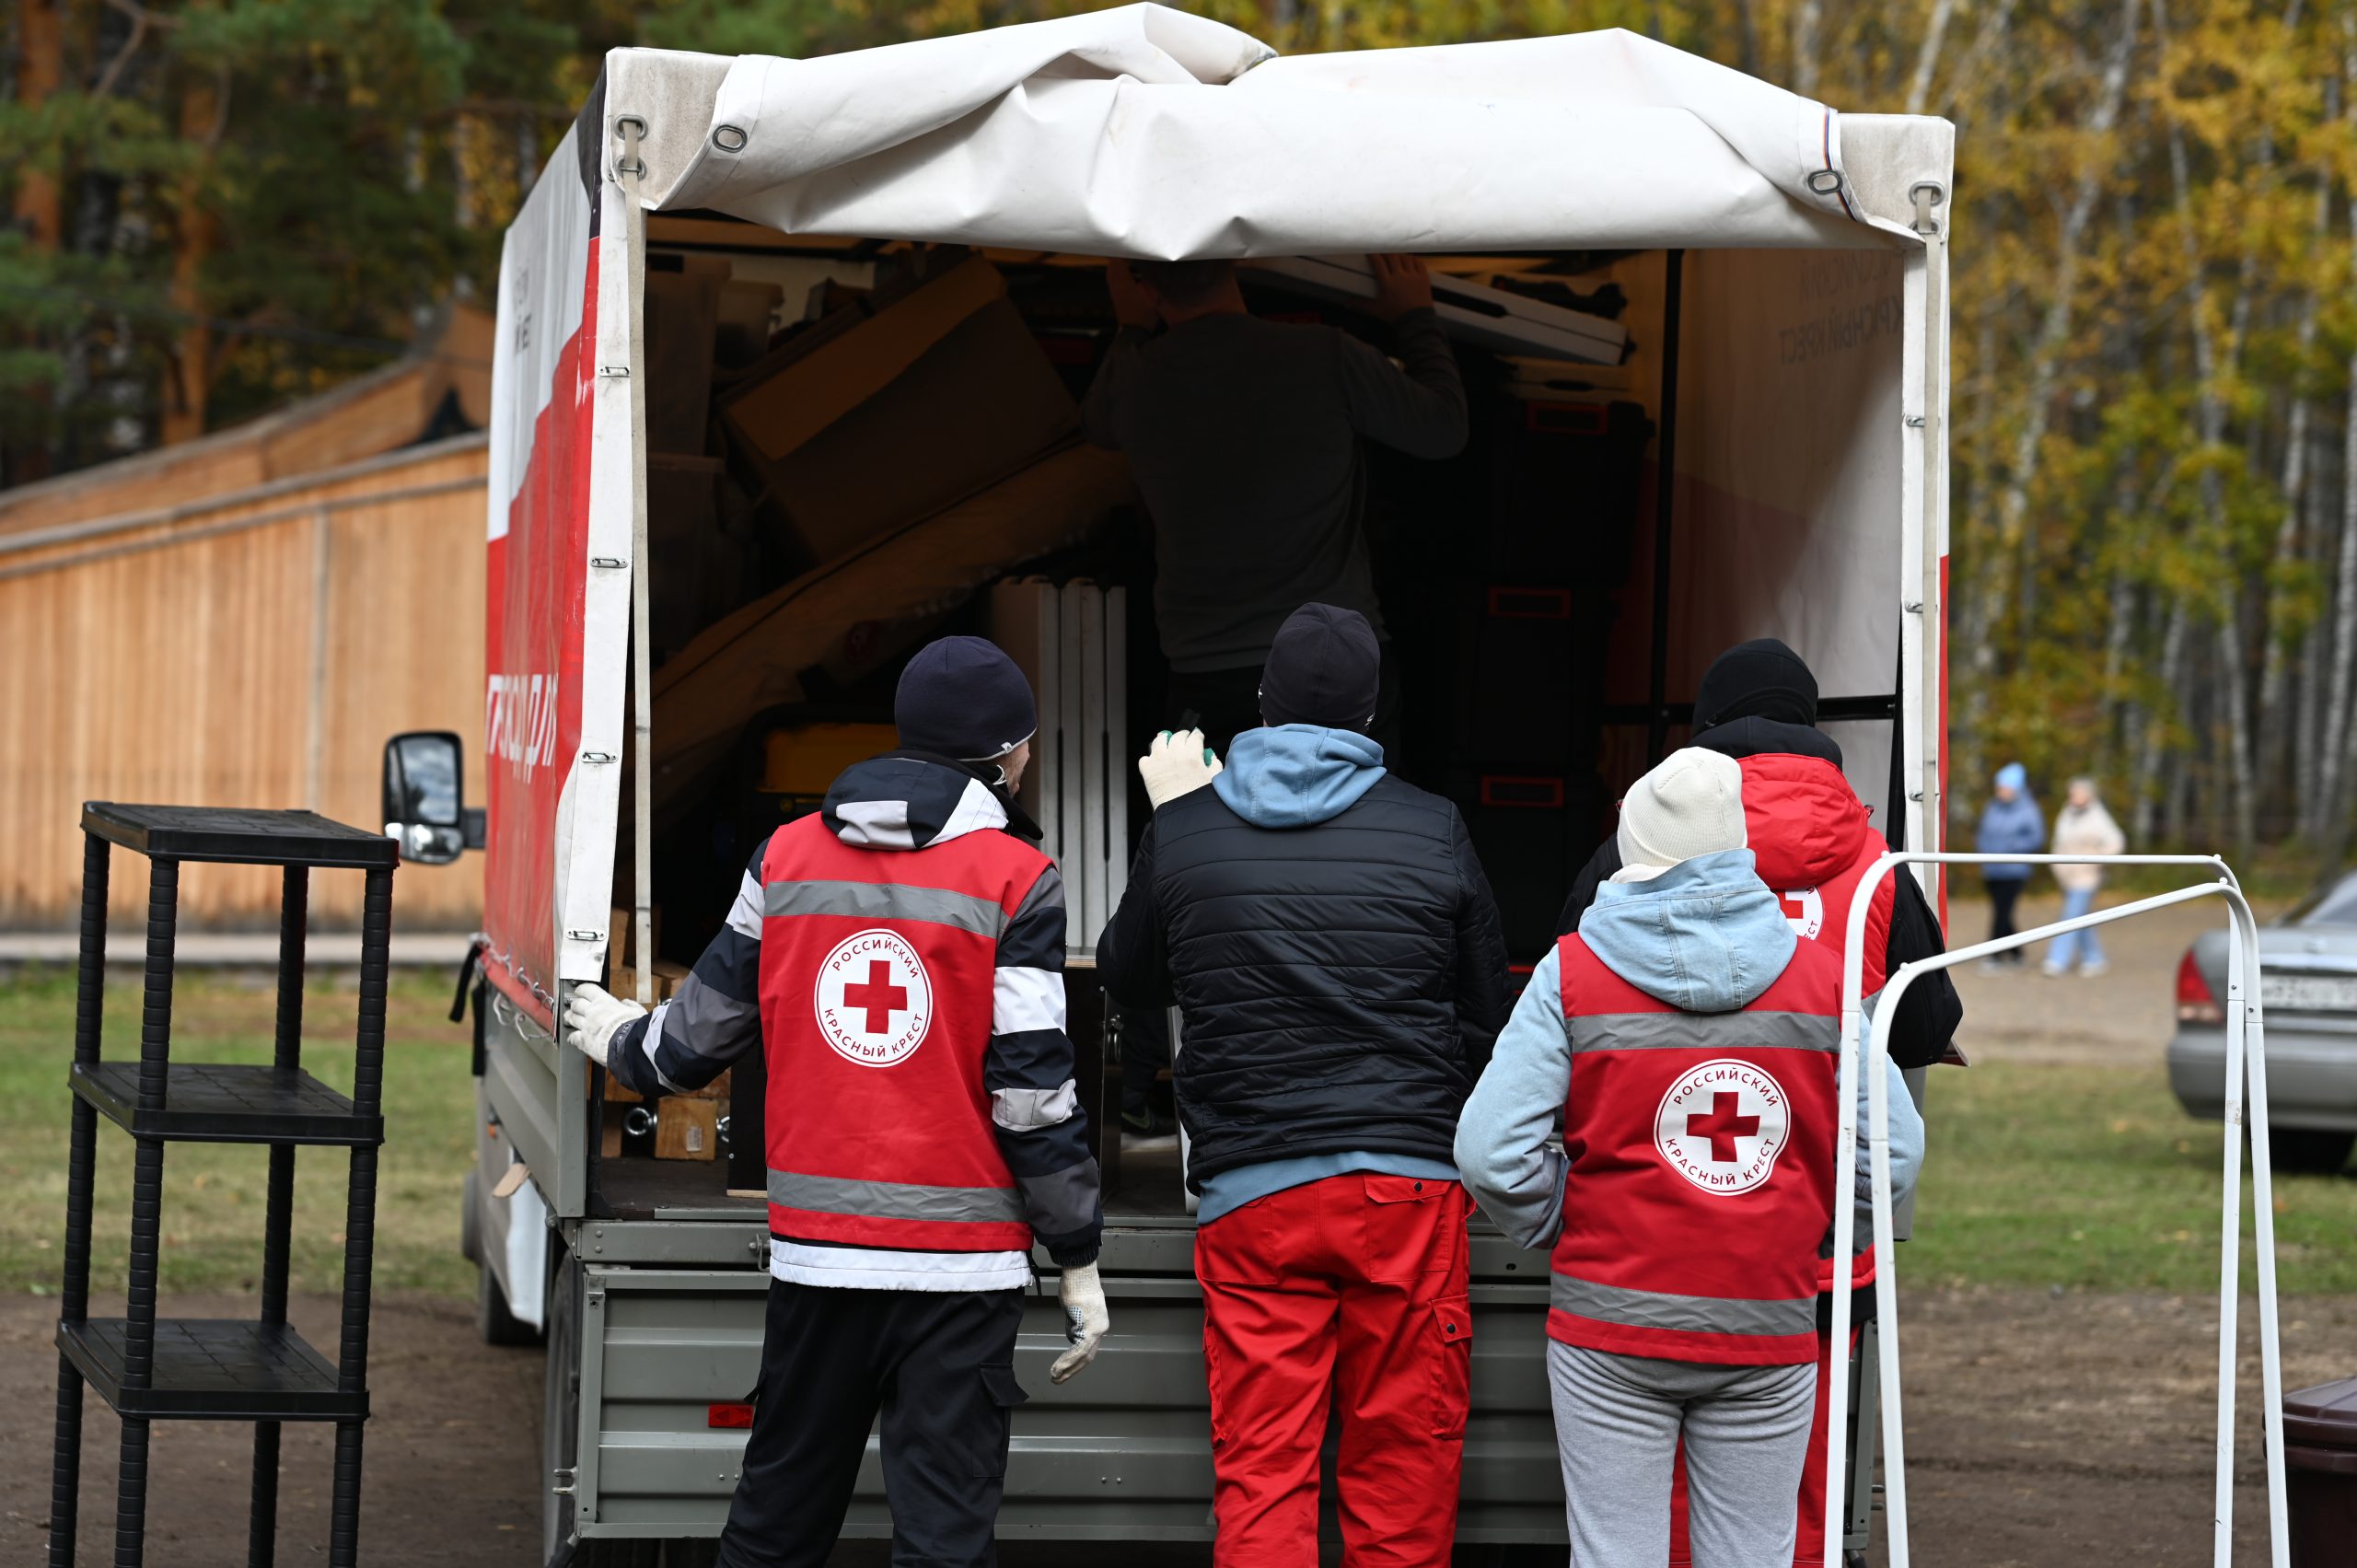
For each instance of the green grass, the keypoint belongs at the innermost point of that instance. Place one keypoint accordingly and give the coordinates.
(214, 1194)
(2087, 1178)
(2091, 1178)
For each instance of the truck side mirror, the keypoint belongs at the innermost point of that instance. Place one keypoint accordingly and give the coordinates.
(424, 772)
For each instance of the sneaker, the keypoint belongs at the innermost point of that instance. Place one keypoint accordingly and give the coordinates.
(2052, 971)
(2089, 971)
(1143, 1131)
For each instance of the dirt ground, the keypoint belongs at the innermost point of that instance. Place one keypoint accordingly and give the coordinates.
(2046, 1431)
(453, 1443)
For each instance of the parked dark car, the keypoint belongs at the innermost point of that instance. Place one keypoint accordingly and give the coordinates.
(2308, 987)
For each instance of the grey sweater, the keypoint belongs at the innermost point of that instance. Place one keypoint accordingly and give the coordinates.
(1244, 438)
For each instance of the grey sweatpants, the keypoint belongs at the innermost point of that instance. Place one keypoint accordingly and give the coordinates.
(1616, 1425)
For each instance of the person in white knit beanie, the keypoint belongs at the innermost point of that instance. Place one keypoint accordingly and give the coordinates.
(1686, 1037)
(1690, 805)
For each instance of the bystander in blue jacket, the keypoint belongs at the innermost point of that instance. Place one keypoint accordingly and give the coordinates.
(2011, 825)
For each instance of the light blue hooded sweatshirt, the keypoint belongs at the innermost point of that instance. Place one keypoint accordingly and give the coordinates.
(1298, 775)
(1706, 937)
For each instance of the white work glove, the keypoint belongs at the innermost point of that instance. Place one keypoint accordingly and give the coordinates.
(1085, 1320)
(1176, 765)
(593, 1015)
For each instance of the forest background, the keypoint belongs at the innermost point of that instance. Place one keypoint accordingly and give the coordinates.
(216, 208)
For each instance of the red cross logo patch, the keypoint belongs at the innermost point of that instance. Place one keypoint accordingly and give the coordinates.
(1804, 907)
(1721, 1125)
(873, 1000)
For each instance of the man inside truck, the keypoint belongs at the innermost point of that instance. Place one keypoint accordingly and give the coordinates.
(1331, 938)
(899, 957)
(1245, 440)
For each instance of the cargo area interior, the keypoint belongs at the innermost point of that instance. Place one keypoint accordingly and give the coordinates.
(855, 446)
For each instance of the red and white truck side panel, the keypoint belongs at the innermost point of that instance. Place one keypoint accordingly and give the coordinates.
(562, 486)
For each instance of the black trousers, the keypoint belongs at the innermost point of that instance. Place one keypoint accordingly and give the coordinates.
(938, 1364)
(2002, 893)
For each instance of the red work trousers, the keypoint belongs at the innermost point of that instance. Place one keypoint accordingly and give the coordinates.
(1808, 1541)
(1349, 1295)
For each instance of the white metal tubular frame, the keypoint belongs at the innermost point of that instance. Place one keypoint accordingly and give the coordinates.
(2246, 1052)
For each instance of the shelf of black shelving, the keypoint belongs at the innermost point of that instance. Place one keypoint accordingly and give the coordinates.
(151, 1369)
(214, 1103)
(213, 1369)
(238, 836)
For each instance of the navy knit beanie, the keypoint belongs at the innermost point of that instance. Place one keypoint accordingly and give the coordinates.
(963, 698)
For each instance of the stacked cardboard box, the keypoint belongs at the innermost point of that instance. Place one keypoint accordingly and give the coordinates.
(890, 409)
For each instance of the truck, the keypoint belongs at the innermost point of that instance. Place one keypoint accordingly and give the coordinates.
(787, 361)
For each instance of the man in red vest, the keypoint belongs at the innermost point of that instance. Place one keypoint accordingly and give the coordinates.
(1689, 1041)
(899, 956)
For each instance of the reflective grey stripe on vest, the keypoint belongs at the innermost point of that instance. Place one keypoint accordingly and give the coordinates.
(897, 1199)
(1705, 1031)
(1687, 1314)
(885, 900)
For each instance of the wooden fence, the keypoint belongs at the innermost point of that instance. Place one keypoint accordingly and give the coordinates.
(250, 649)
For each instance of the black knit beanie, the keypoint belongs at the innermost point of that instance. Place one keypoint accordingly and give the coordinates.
(1761, 679)
(1325, 667)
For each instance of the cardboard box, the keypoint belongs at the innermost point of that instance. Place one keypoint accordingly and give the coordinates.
(939, 395)
(687, 1129)
(621, 941)
(747, 311)
(667, 977)
(847, 621)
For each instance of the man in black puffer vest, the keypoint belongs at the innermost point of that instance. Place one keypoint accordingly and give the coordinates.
(1331, 943)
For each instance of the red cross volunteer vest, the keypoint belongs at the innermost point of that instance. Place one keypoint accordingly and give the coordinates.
(876, 971)
(1702, 1167)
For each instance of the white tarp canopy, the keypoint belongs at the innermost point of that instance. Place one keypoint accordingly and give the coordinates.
(1151, 133)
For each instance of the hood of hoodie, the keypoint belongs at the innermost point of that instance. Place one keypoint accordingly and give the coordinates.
(1705, 937)
(910, 800)
(1297, 775)
(1805, 824)
(1751, 735)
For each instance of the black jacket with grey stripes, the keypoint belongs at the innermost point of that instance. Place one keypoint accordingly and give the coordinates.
(894, 804)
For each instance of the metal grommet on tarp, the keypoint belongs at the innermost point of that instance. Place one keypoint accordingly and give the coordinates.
(1825, 181)
(728, 138)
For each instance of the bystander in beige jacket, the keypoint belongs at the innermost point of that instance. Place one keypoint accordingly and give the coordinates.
(2083, 827)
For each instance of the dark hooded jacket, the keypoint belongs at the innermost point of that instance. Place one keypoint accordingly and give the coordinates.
(1330, 938)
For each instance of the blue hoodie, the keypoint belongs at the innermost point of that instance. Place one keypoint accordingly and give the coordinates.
(1705, 937)
(2011, 827)
(1297, 775)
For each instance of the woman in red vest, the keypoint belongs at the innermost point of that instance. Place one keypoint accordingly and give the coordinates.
(1689, 1042)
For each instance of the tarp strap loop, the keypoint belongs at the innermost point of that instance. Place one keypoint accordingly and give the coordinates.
(1927, 194)
(628, 129)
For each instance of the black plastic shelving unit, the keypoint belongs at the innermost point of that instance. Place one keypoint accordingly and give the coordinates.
(149, 1369)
